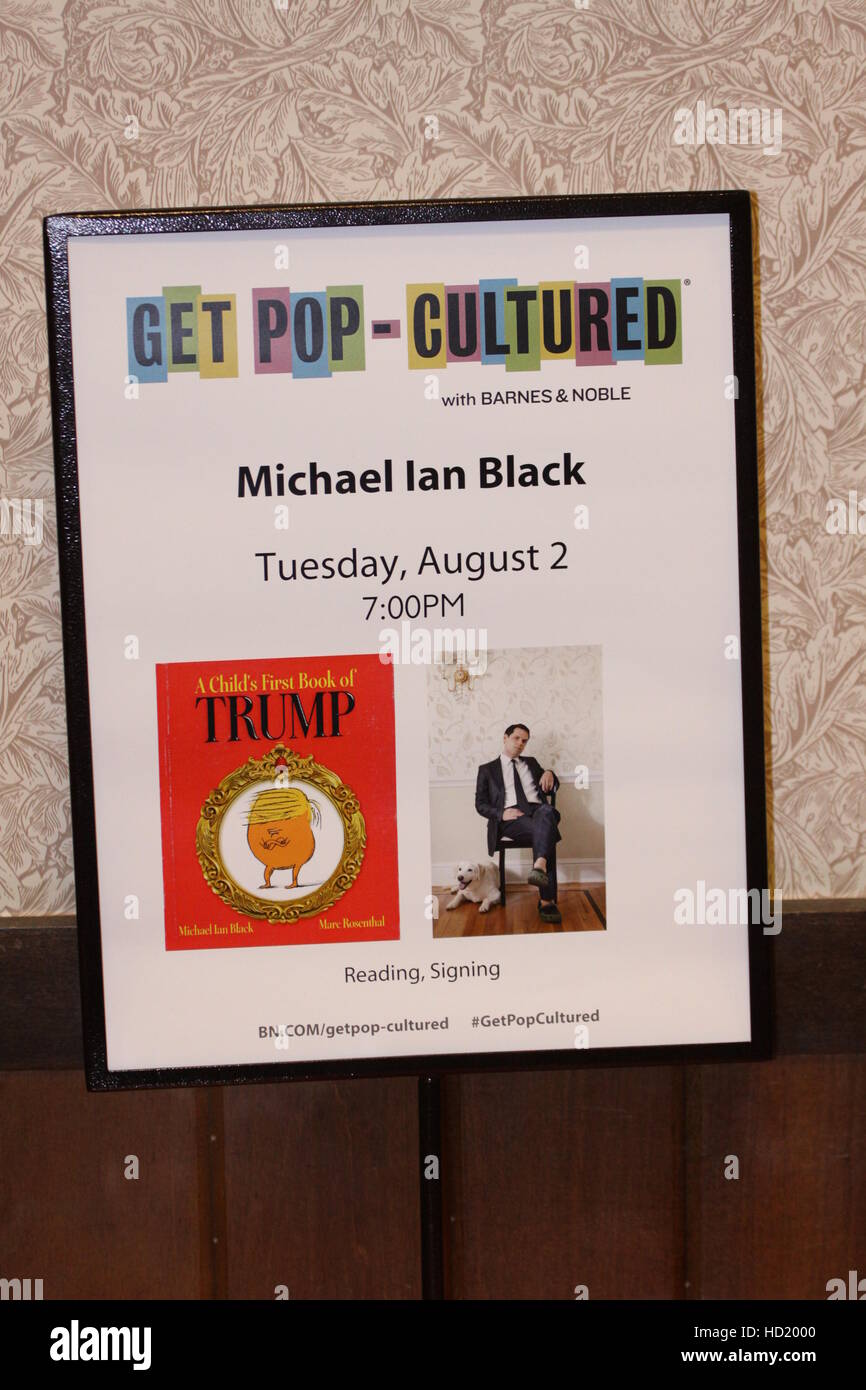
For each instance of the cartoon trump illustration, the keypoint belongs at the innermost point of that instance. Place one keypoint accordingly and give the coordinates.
(280, 831)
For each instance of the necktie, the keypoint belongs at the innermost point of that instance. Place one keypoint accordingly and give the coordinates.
(523, 802)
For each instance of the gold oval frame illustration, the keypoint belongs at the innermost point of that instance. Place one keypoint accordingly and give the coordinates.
(341, 796)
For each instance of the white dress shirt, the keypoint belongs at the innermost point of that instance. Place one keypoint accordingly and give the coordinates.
(526, 778)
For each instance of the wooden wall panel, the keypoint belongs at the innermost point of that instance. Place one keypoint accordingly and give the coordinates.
(820, 985)
(321, 1190)
(556, 1179)
(68, 1215)
(40, 998)
(796, 1216)
(611, 1178)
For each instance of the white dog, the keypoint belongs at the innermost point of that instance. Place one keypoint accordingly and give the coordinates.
(476, 883)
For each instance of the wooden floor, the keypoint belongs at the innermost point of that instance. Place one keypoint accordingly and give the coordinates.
(582, 907)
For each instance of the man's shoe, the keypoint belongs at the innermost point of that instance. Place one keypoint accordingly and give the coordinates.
(538, 879)
(549, 912)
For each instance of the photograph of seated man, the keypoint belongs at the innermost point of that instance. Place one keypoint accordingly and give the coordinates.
(510, 793)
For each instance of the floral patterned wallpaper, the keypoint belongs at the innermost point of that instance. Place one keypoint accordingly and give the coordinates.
(113, 103)
(557, 690)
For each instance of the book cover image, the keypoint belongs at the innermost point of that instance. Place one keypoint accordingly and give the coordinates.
(278, 801)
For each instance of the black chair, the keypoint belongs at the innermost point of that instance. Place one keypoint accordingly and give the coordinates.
(503, 844)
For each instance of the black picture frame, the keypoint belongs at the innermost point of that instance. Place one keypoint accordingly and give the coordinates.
(57, 231)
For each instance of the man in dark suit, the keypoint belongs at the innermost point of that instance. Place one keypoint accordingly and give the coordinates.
(509, 793)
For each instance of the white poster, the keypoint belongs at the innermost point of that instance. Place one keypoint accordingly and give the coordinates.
(413, 648)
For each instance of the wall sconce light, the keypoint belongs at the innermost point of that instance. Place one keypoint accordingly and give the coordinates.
(459, 677)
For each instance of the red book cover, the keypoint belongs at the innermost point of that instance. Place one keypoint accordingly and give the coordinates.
(278, 801)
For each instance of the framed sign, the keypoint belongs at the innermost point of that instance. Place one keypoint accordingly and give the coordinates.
(409, 559)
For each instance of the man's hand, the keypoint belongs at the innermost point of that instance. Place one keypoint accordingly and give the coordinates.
(513, 813)
(545, 781)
